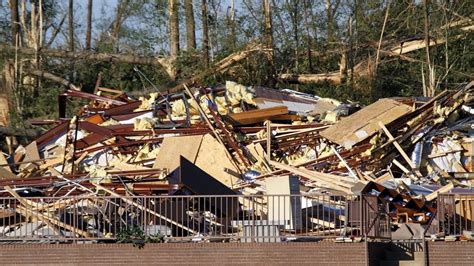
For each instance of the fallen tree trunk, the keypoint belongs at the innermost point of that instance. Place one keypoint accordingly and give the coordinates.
(165, 62)
(334, 78)
(414, 45)
(360, 69)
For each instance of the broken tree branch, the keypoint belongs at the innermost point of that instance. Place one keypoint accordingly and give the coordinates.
(220, 66)
(46, 75)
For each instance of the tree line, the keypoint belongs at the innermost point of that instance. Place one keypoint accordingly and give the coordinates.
(347, 49)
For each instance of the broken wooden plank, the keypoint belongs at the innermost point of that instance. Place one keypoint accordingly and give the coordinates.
(27, 211)
(39, 206)
(400, 166)
(323, 223)
(258, 116)
(433, 195)
(315, 176)
(397, 145)
(269, 139)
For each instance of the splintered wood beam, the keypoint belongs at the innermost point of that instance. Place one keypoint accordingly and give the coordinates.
(397, 145)
(433, 195)
(30, 212)
(258, 115)
(399, 165)
(336, 182)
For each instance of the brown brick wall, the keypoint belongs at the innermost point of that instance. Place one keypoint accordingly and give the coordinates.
(450, 253)
(309, 253)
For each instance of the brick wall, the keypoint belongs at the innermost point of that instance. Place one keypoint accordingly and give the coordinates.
(188, 253)
(450, 253)
(321, 253)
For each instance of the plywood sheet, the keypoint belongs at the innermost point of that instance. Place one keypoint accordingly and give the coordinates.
(364, 123)
(173, 147)
(31, 154)
(212, 158)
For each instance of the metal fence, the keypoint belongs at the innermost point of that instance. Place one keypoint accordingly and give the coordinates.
(263, 218)
(455, 213)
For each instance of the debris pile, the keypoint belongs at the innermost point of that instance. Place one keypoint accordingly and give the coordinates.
(238, 140)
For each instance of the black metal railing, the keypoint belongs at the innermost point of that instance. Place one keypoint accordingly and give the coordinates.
(256, 218)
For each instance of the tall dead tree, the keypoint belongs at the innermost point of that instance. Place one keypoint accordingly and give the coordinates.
(329, 26)
(331, 9)
(308, 13)
(429, 91)
(268, 36)
(205, 33)
(231, 24)
(89, 25)
(71, 35)
(295, 21)
(190, 25)
(173, 7)
(71, 25)
(14, 20)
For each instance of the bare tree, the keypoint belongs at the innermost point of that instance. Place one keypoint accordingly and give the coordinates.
(190, 25)
(205, 33)
(307, 15)
(431, 79)
(15, 22)
(268, 31)
(294, 21)
(71, 25)
(173, 7)
(89, 25)
(268, 36)
(331, 9)
(231, 24)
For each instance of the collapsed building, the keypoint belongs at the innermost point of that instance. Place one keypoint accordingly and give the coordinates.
(244, 163)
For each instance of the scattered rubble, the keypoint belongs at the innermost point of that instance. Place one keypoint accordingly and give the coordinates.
(242, 140)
